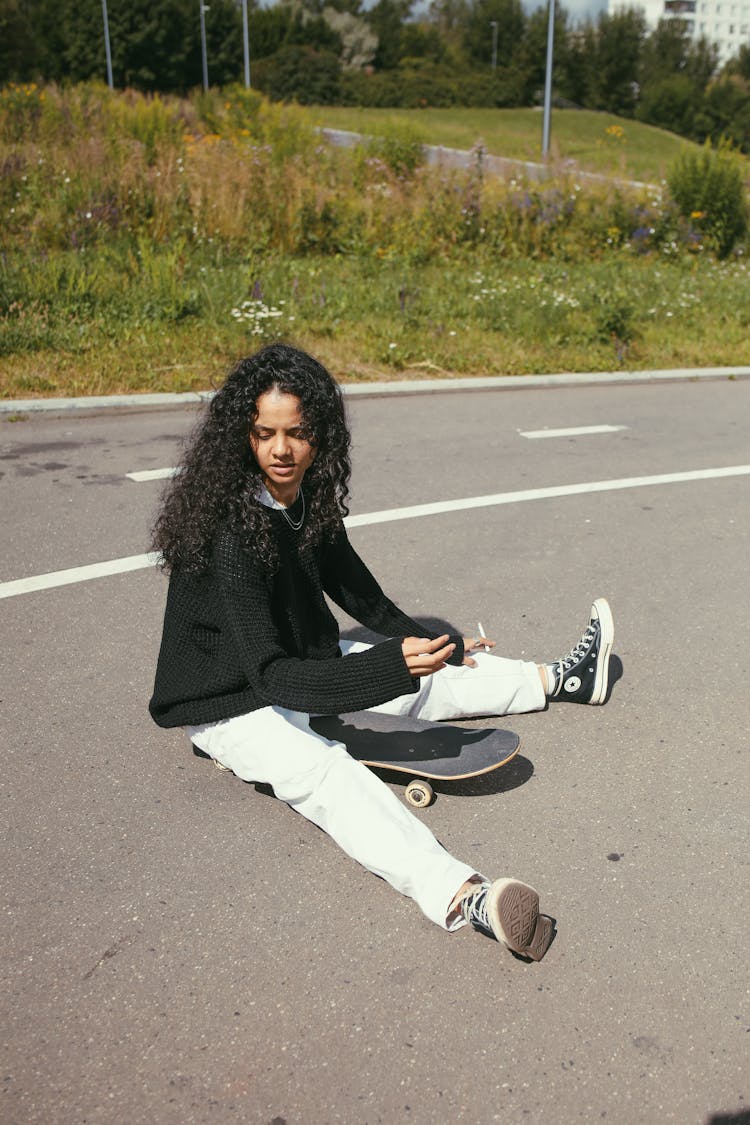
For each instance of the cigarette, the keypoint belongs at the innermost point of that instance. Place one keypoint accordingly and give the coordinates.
(482, 635)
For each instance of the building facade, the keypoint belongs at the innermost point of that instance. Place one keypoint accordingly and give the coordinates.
(723, 22)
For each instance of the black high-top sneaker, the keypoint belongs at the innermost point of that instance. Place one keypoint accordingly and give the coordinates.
(583, 675)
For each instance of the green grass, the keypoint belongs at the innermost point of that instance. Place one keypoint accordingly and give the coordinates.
(148, 243)
(387, 320)
(630, 150)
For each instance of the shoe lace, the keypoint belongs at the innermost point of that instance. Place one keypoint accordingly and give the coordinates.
(474, 907)
(578, 651)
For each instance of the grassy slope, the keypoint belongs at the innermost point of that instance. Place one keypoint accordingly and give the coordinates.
(641, 153)
(696, 313)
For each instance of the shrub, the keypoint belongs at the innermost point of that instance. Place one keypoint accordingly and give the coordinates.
(708, 190)
(417, 84)
(300, 74)
(400, 147)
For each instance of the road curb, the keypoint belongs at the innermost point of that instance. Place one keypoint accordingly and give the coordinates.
(161, 401)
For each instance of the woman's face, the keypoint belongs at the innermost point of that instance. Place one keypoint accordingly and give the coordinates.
(281, 444)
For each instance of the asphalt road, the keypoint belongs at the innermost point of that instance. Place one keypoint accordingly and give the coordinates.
(180, 947)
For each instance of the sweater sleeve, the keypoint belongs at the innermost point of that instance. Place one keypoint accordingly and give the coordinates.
(349, 583)
(350, 683)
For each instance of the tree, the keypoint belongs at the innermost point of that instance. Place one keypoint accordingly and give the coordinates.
(725, 112)
(17, 48)
(269, 30)
(530, 59)
(450, 17)
(358, 40)
(154, 46)
(422, 41)
(478, 37)
(671, 103)
(386, 18)
(740, 64)
(304, 75)
(670, 50)
(675, 72)
(614, 65)
(572, 71)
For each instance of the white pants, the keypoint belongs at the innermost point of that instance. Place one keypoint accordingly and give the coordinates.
(319, 779)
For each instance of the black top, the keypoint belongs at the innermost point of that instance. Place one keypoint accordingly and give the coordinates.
(238, 637)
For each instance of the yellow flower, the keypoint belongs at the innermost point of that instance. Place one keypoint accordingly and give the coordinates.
(697, 214)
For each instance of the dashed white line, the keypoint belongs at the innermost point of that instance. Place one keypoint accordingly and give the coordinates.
(572, 431)
(150, 474)
(143, 475)
(390, 515)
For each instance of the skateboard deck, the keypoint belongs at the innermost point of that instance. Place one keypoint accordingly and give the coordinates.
(422, 749)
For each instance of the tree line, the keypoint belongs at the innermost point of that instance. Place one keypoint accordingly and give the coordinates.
(456, 52)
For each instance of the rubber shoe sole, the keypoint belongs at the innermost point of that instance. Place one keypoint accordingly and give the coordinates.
(606, 640)
(542, 938)
(513, 911)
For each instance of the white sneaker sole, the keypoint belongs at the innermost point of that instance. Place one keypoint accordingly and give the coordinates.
(606, 640)
(513, 910)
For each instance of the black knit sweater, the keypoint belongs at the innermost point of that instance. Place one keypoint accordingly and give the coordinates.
(238, 637)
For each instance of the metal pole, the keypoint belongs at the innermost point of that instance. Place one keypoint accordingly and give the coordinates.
(493, 25)
(548, 79)
(107, 50)
(204, 9)
(246, 44)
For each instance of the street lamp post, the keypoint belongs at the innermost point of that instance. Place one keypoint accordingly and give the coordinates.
(493, 25)
(548, 79)
(203, 9)
(246, 44)
(107, 50)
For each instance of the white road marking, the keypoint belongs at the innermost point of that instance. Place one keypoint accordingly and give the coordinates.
(161, 474)
(496, 498)
(151, 474)
(390, 515)
(573, 431)
(75, 574)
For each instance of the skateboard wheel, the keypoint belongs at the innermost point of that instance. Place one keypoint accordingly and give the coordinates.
(419, 793)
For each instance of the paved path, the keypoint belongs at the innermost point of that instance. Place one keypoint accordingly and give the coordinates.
(494, 165)
(179, 947)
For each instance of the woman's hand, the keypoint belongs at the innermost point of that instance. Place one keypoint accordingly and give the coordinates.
(424, 657)
(475, 644)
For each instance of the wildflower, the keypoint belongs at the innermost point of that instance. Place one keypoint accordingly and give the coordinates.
(255, 312)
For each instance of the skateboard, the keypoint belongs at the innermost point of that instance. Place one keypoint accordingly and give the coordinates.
(424, 750)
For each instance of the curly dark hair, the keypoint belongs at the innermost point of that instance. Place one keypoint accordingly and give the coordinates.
(218, 479)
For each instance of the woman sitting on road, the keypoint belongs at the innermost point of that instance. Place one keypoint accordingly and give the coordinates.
(252, 536)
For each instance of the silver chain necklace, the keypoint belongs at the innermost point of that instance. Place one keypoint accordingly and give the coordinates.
(295, 526)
